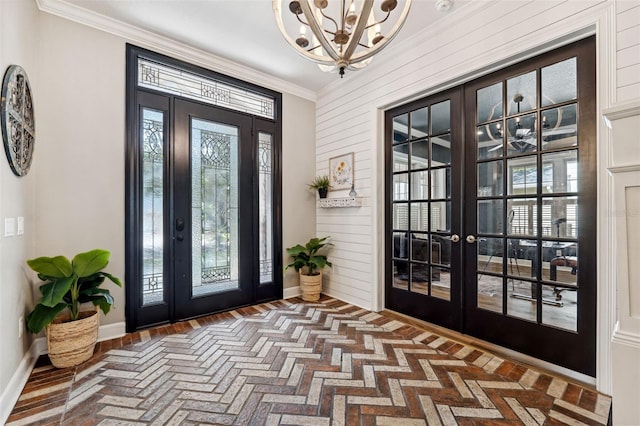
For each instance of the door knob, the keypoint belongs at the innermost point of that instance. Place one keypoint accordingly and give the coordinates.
(471, 239)
(179, 237)
(454, 238)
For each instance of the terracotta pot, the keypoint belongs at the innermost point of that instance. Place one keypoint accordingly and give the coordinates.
(71, 343)
(311, 287)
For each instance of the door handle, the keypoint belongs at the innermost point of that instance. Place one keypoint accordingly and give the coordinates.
(179, 224)
(471, 239)
(454, 238)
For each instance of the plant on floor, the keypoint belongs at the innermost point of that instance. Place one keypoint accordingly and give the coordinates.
(307, 258)
(68, 284)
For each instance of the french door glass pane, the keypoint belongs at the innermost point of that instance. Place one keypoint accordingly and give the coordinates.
(265, 195)
(214, 207)
(152, 205)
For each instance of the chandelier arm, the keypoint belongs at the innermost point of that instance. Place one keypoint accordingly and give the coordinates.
(331, 19)
(379, 22)
(318, 31)
(356, 35)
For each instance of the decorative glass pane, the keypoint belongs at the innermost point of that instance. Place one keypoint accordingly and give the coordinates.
(522, 214)
(152, 138)
(441, 118)
(441, 150)
(521, 93)
(559, 82)
(560, 262)
(400, 216)
(441, 282)
(214, 198)
(489, 103)
(490, 293)
(401, 158)
(441, 183)
(522, 173)
(490, 255)
(419, 155)
(490, 140)
(560, 217)
(420, 123)
(183, 83)
(420, 185)
(419, 216)
(521, 297)
(441, 216)
(560, 127)
(490, 216)
(564, 175)
(401, 187)
(400, 128)
(265, 197)
(490, 180)
(521, 134)
(560, 307)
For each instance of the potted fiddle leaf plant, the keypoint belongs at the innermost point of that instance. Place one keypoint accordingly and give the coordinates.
(71, 333)
(321, 184)
(309, 260)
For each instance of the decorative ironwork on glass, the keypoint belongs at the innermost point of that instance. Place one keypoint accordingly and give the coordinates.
(216, 150)
(190, 85)
(152, 140)
(265, 188)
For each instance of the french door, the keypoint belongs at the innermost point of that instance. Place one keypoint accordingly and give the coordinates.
(502, 247)
(202, 210)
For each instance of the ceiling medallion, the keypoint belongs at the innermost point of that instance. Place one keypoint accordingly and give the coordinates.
(345, 34)
(18, 122)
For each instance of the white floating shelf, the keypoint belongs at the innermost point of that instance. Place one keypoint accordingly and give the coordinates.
(327, 203)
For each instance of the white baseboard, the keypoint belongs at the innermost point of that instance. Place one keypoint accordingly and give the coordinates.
(14, 388)
(291, 292)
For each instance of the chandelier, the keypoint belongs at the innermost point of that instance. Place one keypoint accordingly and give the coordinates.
(345, 34)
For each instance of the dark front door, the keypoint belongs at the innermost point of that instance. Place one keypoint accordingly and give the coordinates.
(522, 179)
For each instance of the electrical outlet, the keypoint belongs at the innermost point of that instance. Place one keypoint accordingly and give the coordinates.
(20, 326)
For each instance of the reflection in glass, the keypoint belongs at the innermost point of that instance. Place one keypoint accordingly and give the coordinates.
(400, 274)
(441, 150)
(522, 258)
(490, 140)
(490, 180)
(489, 103)
(400, 216)
(559, 82)
(441, 118)
(441, 183)
(519, 300)
(521, 216)
(214, 212)
(440, 250)
(420, 123)
(400, 128)
(490, 293)
(490, 216)
(420, 278)
(560, 217)
(419, 216)
(265, 194)
(565, 171)
(440, 216)
(560, 127)
(400, 245)
(490, 255)
(560, 262)
(522, 173)
(420, 185)
(521, 134)
(401, 187)
(152, 137)
(420, 249)
(419, 155)
(563, 311)
(521, 93)
(440, 282)
(400, 158)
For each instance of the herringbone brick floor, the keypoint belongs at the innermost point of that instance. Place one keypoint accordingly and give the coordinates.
(297, 363)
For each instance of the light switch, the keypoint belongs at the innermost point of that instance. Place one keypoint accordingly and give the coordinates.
(20, 225)
(9, 226)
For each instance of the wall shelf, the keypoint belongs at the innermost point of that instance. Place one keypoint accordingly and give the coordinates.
(328, 203)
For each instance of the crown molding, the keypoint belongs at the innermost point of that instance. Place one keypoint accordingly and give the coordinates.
(170, 47)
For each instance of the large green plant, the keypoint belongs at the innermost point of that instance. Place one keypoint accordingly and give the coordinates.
(69, 284)
(307, 257)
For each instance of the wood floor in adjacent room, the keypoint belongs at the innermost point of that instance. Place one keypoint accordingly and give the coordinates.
(296, 363)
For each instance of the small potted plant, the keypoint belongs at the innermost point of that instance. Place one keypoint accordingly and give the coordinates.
(309, 262)
(321, 184)
(71, 335)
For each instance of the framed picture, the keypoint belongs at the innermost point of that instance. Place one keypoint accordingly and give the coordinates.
(341, 171)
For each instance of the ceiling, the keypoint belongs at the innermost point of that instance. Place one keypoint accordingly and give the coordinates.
(243, 31)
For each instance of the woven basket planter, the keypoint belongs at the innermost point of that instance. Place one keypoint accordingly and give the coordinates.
(311, 287)
(71, 343)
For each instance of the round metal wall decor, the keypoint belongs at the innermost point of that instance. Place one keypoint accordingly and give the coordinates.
(18, 122)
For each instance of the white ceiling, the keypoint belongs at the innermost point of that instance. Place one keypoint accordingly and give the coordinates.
(243, 31)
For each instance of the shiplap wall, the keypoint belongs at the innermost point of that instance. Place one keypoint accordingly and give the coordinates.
(627, 49)
(471, 41)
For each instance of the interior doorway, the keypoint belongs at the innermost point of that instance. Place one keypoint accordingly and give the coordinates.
(489, 223)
